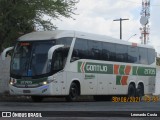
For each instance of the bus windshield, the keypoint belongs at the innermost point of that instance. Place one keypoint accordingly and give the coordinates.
(31, 58)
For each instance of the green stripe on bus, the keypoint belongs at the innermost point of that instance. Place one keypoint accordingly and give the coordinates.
(121, 70)
(34, 81)
(79, 66)
(100, 68)
(134, 70)
(144, 71)
(118, 80)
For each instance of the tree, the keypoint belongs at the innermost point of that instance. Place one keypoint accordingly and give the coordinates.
(158, 61)
(18, 17)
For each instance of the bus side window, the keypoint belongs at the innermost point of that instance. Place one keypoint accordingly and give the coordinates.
(121, 53)
(95, 50)
(80, 50)
(143, 56)
(151, 56)
(59, 59)
(75, 56)
(133, 57)
(108, 51)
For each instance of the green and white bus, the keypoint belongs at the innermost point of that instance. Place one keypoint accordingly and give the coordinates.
(71, 63)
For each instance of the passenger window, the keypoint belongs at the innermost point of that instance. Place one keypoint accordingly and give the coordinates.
(80, 50)
(143, 57)
(108, 51)
(121, 53)
(151, 56)
(132, 54)
(94, 50)
(59, 59)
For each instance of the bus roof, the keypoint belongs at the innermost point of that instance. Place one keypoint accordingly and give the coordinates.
(46, 35)
(50, 35)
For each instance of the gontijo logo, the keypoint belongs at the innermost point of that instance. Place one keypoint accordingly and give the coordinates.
(88, 67)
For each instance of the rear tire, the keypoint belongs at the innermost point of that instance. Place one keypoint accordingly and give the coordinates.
(73, 93)
(131, 91)
(140, 91)
(37, 98)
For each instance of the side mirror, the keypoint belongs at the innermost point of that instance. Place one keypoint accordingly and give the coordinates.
(5, 51)
(52, 49)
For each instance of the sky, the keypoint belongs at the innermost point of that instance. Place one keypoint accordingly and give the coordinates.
(96, 16)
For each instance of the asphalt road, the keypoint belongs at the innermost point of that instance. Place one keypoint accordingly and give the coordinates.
(71, 109)
(79, 106)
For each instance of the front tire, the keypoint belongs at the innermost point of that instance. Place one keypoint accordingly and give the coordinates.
(73, 93)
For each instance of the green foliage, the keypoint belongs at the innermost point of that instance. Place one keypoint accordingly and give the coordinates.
(18, 17)
(158, 61)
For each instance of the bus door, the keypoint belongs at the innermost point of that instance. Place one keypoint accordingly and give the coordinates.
(90, 83)
(104, 84)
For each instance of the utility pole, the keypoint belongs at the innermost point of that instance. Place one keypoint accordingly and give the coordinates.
(120, 25)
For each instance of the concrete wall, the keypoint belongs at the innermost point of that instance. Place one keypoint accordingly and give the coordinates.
(4, 74)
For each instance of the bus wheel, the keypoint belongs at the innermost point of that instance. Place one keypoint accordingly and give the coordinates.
(37, 98)
(140, 91)
(131, 91)
(73, 93)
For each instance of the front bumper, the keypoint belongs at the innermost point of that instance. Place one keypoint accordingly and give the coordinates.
(42, 90)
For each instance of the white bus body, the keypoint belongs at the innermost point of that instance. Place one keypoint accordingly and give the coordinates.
(87, 64)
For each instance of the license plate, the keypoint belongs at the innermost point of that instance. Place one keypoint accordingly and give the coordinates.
(26, 91)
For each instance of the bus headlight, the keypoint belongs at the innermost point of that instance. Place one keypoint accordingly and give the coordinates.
(12, 81)
(45, 83)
